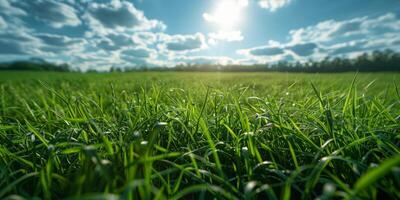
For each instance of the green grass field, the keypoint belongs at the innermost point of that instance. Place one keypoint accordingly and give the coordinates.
(152, 135)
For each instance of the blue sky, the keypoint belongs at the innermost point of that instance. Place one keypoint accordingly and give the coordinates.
(100, 34)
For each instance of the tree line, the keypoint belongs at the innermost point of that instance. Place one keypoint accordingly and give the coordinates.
(386, 60)
(34, 64)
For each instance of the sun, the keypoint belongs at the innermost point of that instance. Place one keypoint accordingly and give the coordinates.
(227, 13)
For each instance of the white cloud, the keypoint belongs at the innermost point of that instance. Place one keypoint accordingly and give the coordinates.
(118, 16)
(145, 38)
(117, 34)
(273, 5)
(202, 60)
(114, 41)
(99, 60)
(20, 40)
(141, 56)
(262, 51)
(8, 9)
(106, 44)
(228, 36)
(346, 30)
(243, 3)
(264, 54)
(182, 43)
(333, 38)
(57, 44)
(18, 43)
(3, 24)
(54, 13)
(140, 52)
(303, 49)
(273, 52)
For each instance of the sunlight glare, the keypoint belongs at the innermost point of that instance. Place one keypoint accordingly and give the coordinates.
(227, 13)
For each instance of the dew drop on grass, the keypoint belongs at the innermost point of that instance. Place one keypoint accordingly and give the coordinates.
(329, 188)
(263, 163)
(105, 162)
(245, 150)
(373, 165)
(32, 136)
(106, 132)
(162, 123)
(136, 134)
(249, 133)
(94, 159)
(67, 122)
(191, 155)
(250, 186)
(144, 143)
(89, 148)
(355, 169)
(51, 147)
(324, 159)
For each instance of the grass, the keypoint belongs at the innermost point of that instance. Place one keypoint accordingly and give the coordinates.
(199, 136)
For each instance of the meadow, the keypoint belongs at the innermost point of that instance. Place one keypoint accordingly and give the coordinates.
(193, 135)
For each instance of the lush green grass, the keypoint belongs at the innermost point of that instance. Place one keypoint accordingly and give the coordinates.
(199, 135)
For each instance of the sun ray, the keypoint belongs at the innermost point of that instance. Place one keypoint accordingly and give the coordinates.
(226, 14)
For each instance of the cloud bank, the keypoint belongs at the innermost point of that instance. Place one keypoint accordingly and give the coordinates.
(273, 5)
(116, 33)
(332, 38)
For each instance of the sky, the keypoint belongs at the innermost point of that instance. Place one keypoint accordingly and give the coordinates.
(89, 34)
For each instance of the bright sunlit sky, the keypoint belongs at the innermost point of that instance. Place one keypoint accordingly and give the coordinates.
(99, 34)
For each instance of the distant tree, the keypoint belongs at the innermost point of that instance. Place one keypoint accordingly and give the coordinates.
(35, 64)
(386, 60)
